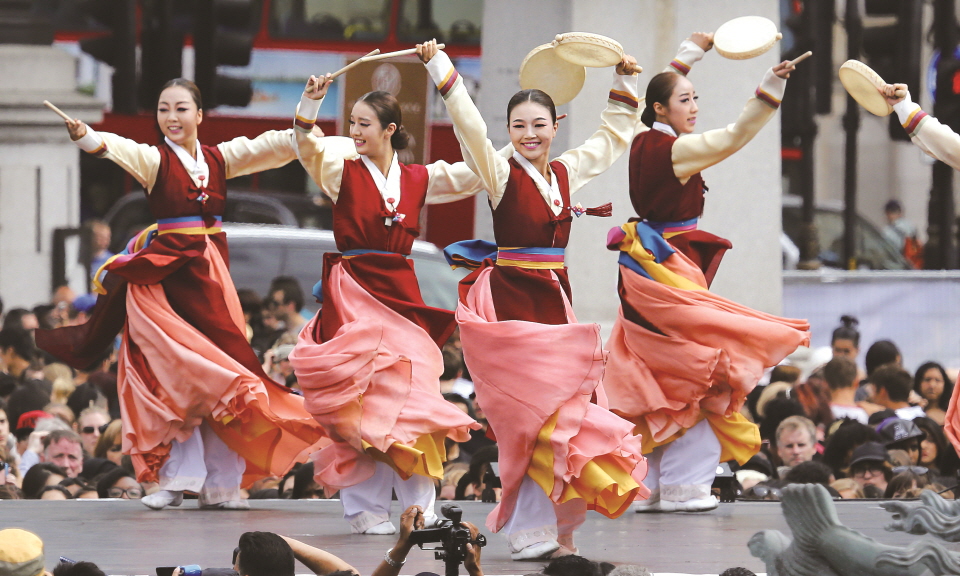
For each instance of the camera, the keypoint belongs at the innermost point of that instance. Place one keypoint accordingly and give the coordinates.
(452, 536)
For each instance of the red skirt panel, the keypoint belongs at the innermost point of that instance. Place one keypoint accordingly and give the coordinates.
(531, 295)
(706, 250)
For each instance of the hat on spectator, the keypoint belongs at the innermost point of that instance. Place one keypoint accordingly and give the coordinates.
(21, 553)
(771, 391)
(28, 420)
(893, 430)
(869, 452)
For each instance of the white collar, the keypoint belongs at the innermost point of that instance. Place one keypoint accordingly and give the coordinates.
(195, 166)
(551, 191)
(665, 128)
(389, 185)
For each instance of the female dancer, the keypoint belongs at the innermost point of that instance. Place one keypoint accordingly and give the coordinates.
(199, 413)
(682, 360)
(370, 363)
(537, 371)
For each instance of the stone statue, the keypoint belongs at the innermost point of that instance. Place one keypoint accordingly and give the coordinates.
(936, 515)
(822, 546)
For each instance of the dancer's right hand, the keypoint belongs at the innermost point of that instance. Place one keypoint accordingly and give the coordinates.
(702, 39)
(76, 128)
(889, 92)
(317, 87)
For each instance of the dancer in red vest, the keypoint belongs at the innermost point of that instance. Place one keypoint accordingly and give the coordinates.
(198, 411)
(370, 363)
(682, 359)
(537, 371)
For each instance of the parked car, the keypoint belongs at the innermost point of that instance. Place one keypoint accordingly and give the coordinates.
(130, 214)
(259, 253)
(873, 251)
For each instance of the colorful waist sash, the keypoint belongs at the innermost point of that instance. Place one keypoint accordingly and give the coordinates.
(536, 258)
(669, 229)
(188, 225)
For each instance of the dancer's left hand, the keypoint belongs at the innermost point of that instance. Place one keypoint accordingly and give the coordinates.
(628, 66)
(784, 69)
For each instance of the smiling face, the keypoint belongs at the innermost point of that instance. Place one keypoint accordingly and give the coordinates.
(532, 130)
(370, 138)
(680, 113)
(178, 116)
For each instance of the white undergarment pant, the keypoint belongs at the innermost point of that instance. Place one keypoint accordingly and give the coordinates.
(685, 468)
(537, 519)
(205, 465)
(368, 503)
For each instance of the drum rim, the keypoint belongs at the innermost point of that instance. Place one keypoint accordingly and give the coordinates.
(869, 77)
(591, 38)
(753, 53)
(575, 70)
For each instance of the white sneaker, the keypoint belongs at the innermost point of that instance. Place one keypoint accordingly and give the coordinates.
(538, 551)
(381, 529)
(692, 505)
(651, 504)
(162, 499)
(228, 505)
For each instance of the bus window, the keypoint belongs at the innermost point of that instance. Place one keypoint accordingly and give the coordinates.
(356, 20)
(455, 22)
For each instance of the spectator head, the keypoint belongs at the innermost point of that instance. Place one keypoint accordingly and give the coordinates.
(904, 484)
(629, 570)
(893, 385)
(21, 553)
(28, 421)
(17, 350)
(89, 425)
(20, 318)
(452, 363)
(40, 476)
(869, 466)
(287, 296)
(881, 352)
(61, 412)
(738, 571)
(99, 235)
(572, 565)
(840, 373)
(932, 383)
(65, 449)
(264, 554)
(810, 472)
(893, 209)
(110, 443)
(796, 440)
(899, 434)
(305, 486)
(846, 338)
(847, 488)
(460, 402)
(118, 483)
(848, 435)
(56, 492)
(77, 569)
(934, 446)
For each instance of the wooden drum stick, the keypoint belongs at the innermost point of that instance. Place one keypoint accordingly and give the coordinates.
(57, 110)
(406, 52)
(799, 59)
(356, 62)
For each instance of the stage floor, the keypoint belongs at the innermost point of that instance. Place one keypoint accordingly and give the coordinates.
(125, 538)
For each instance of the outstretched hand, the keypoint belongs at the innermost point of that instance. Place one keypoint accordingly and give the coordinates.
(890, 92)
(410, 520)
(427, 50)
(784, 69)
(628, 66)
(317, 88)
(702, 39)
(76, 128)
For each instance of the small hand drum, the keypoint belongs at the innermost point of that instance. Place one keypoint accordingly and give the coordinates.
(586, 49)
(545, 70)
(864, 85)
(745, 37)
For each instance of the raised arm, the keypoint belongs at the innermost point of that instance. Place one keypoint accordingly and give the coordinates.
(316, 560)
(139, 160)
(468, 125)
(452, 182)
(321, 157)
(691, 51)
(271, 149)
(695, 152)
(935, 139)
(612, 139)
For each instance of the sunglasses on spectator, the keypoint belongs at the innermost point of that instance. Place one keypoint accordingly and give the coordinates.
(92, 429)
(117, 492)
(918, 470)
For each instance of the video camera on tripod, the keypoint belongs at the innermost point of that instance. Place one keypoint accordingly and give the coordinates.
(453, 537)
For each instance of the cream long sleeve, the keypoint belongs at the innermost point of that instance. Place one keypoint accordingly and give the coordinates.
(687, 55)
(935, 139)
(693, 153)
(323, 160)
(241, 156)
(583, 162)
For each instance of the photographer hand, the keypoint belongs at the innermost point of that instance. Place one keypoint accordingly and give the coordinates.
(472, 561)
(410, 520)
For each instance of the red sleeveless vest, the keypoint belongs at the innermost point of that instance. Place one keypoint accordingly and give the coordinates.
(523, 219)
(174, 194)
(656, 193)
(358, 215)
